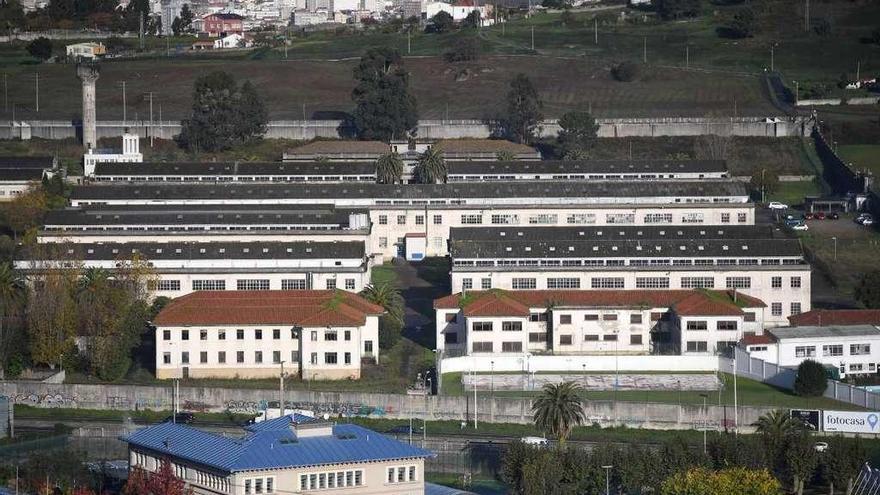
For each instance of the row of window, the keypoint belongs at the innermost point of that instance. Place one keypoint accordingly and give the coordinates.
(508, 177)
(699, 325)
(259, 485)
(204, 334)
(530, 283)
(776, 308)
(618, 262)
(806, 351)
(245, 284)
(331, 480)
(635, 339)
(541, 337)
(571, 218)
(329, 357)
(794, 282)
(188, 228)
(401, 474)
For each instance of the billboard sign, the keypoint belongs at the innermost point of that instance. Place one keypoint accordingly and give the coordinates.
(851, 421)
(809, 417)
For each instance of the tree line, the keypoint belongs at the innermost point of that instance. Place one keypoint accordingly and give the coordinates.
(782, 453)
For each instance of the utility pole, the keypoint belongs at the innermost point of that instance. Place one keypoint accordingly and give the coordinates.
(797, 92)
(772, 64)
(474, 383)
(37, 89)
(687, 56)
(806, 15)
(150, 94)
(123, 104)
(858, 70)
(5, 92)
(533, 38)
(596, 30)
(281, 391)
(286, 40)
(645, 50)
(161, 129)
(408, 42)
(141, 31)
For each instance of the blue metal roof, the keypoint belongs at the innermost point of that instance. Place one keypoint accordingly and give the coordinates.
(281, 422)
(272, 445)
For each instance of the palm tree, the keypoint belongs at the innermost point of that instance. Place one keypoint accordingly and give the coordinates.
(387, 296)
(776, 427)
(558, 409)
(431, 168)
(93, 278)
(389, 169)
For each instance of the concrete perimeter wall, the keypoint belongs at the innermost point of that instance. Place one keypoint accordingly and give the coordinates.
(537, 363)
(460, 408)
(430, 129)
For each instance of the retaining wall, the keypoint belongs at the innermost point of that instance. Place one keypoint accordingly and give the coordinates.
(429, 129)
(537, 363)
(460, 408)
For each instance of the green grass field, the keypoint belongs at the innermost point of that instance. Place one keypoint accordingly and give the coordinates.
(793, 193)
(692, 71)
(749, 393)
(862, 156)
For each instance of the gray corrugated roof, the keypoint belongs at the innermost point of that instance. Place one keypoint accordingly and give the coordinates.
(32, 162)
(614, 232)
(235, 168)
(200, 215)
(193, 250)
(21, 174)
(520, 189)
(831, 331)
(589, 167)
(679, 248)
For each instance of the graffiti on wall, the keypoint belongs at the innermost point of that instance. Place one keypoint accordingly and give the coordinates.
(247, 406)
(344, 409)
(47, 400)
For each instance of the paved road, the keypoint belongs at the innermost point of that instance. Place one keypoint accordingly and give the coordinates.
(418, 293)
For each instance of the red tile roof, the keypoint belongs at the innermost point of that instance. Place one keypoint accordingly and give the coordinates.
(308, 308)
(517, 303)
(821, 317)
(751, 339)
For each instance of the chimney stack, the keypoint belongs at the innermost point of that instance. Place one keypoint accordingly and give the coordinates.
(88, 74)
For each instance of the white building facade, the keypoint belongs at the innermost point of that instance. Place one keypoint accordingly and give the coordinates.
(130, 153)
(852, 349)
(572, 322)
(319, 335)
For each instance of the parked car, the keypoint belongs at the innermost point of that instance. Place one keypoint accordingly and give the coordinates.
(868, 221)
(819, 215)
(821, 446)
(808, 216)
(791, 222)
(181, 417)
(833, 215)
(533, 440)
(860, 219)
(776, 205)
(800, 226)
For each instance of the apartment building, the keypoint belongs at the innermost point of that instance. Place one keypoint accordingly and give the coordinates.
(594, 322)
(183, 267)
(852, 349)
(290, 454)
(318, 334)
(759, 261)
(200, 223)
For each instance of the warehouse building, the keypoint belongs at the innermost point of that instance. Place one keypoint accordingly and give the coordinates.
(183, 267)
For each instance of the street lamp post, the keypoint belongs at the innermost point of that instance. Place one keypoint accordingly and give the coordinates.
(797, 92)
(607, 469)
(835, 247)
(705, 421)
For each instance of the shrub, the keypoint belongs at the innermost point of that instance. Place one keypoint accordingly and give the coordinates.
(463, 51)
(811, 380)
(40, 48)
(625, 71)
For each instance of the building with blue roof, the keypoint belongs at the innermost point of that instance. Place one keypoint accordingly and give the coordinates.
(287, 455)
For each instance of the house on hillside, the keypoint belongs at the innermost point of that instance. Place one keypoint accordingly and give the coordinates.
(459, 10)
(86, 51)
(222, 24)
(234, 40)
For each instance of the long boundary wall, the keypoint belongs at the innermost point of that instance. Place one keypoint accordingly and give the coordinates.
(430, 129)
(334, 404)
